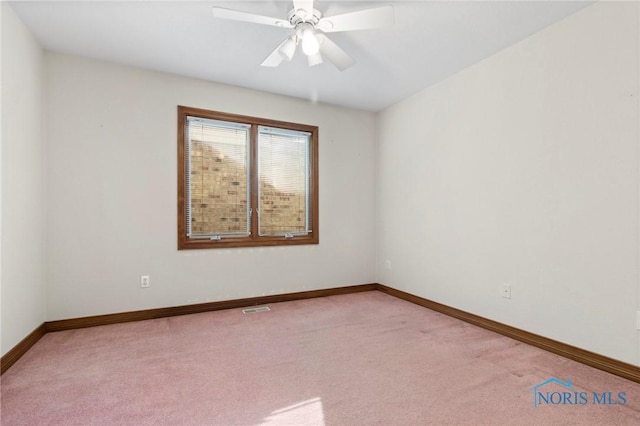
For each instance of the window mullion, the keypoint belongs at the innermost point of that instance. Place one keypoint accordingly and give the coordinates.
(255, 181)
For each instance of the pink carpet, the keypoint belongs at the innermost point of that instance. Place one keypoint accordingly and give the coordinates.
(358, 359)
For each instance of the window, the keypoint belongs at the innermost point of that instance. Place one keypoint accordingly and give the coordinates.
(245, 181)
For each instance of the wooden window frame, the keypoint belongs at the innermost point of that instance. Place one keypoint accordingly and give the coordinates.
(254, 239)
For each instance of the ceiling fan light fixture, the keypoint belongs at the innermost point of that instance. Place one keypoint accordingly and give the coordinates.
(310, 44)
(314, 60)
(288, 49)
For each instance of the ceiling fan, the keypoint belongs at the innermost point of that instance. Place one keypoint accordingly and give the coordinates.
(309, 27)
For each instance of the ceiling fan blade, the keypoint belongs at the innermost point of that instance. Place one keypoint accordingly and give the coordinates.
(306, 5)
(334, 53)
(377, 17)
(235, 15)
(275, 58)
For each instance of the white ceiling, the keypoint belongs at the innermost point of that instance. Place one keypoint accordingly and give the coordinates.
(428, 42)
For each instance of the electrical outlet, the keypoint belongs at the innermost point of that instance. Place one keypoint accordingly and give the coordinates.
(387, 264)
(506, 291)
(145, 281)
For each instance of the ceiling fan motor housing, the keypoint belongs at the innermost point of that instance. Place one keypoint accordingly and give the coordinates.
(301, 16)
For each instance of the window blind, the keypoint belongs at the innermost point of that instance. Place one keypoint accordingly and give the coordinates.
(284, 174)
(218, 183)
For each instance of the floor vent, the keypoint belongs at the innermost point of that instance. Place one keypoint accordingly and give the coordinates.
(256, 310)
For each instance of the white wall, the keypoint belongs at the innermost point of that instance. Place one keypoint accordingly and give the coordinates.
(524, 169)
(22, 273)
(112, 194)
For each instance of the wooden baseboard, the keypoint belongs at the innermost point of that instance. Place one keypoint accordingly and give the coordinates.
(601, 362)
(73, 323)
(69, 324)
(21, 348)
